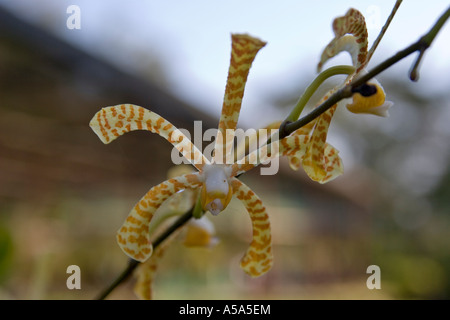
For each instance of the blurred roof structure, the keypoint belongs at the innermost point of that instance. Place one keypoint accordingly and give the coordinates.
(49, 91)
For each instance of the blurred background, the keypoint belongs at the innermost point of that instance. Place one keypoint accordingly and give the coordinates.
(63, 194)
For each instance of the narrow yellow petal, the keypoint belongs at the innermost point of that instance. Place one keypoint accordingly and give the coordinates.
(111, 122)
(243, 52)
(258, 259)
(133, 237)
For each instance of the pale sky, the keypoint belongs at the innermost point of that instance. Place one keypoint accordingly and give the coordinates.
(192, 39)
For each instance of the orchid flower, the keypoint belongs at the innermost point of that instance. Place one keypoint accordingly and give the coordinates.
(319, 159)
(215, 179)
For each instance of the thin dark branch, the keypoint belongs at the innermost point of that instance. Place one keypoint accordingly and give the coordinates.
(132, 264)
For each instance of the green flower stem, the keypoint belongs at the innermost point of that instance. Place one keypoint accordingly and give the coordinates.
(198, 210)
(324, 75)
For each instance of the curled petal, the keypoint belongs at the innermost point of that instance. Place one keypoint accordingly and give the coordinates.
(111, 122)
(346, 43)
(258, 258)
(350, 35)
(295, 160)
(294, 146)
(133, 237)
(332, 163)
(327, 168)
(321, 161)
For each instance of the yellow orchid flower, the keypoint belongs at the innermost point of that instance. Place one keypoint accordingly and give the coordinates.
(320, 160)
(216, 179)
(375, 103)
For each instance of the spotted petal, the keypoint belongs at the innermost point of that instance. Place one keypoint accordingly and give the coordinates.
(258, 258)
(244, 50)
(296, 148)
(112, 122)
(350, 35)
(145, 272)
(133, 237)
(321, 161)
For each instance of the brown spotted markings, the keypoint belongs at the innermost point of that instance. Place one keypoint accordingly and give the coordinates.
(216, 179)
(258, 258)
(111, 122)
(243, 51)
(133, 237)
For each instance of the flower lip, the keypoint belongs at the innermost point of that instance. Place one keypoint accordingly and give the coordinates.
(215, 206)
(216, 201)
(370, 99)
(216, 191)
(366, 89)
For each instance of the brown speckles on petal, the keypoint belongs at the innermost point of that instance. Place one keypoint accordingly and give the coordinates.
(258, 258)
